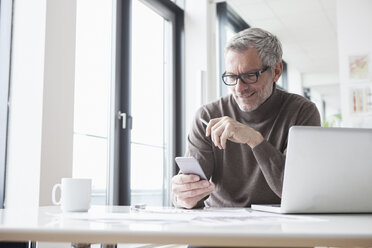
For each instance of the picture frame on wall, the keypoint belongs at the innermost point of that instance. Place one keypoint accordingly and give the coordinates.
(361, 99)
(359, 67)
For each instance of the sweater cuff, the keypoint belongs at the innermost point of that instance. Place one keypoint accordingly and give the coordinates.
(261, 149)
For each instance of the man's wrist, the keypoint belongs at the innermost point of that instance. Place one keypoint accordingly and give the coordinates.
(258, 139)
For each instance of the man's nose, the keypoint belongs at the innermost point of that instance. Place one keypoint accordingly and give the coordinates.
(240, 86)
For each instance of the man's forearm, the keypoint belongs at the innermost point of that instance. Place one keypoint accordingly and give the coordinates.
(271, 162)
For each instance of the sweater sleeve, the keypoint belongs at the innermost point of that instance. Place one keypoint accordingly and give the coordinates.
(199, 146)
(271, 160)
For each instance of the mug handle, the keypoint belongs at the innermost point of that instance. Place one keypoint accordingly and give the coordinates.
(55, 187)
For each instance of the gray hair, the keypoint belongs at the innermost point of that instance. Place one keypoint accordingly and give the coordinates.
(267, 45)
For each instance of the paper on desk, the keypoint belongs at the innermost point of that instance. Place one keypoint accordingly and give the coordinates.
(234, 216)
(132, 217)
(213, 216)
(249, 217)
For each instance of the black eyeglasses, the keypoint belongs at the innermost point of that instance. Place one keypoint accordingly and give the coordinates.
(247, 78)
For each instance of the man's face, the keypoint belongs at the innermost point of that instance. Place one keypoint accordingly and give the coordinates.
(249, 96)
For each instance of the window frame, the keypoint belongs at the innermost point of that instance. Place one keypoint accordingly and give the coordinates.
(226, 16)
(6, 11)
(119, 188)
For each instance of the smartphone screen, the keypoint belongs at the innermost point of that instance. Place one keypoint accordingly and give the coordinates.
(189, 165)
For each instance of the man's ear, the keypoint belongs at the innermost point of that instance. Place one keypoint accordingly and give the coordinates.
(278, 70)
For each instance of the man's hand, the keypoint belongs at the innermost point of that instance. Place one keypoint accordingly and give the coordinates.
(225, 128)
(189, 190)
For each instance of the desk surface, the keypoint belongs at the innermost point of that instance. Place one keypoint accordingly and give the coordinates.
(50, 224)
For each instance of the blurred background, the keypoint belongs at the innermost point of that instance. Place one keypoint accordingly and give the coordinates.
(163, 59)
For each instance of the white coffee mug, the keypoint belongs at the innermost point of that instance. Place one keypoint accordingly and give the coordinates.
(75, 194)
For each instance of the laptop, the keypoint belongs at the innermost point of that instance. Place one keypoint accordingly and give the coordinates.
(327, 170)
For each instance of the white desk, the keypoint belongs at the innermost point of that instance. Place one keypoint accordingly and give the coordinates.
(48, 224)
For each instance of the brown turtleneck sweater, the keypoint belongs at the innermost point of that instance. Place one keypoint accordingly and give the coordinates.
(245, 176)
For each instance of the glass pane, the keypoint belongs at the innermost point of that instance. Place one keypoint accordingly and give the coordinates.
(147, 175)
(229, 34)
(147, 105)
(147, 167)
(89, 161)
(92, 88)
(93, 66)
(147, 76)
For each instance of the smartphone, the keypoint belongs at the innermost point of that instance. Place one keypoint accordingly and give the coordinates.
(189, 165)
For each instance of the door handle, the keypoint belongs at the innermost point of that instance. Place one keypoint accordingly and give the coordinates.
(126, 120)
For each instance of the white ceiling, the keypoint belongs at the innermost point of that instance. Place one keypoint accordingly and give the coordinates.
(306, 28)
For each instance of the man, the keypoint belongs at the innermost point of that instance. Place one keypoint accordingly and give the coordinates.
(242, 149)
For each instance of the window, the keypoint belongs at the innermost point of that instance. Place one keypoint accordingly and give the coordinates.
(150, 105)
(152, 94)
(180, 3)
(92, 94)
(147, 134)
(229, 23)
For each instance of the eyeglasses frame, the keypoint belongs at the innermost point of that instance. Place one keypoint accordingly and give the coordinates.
(258, 73)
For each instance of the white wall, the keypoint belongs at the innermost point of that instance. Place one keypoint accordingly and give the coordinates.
(325, 87)
(317, 79)
(354, 38)
(58, 97)
(294, 80)
(41, 100)
(316, 97)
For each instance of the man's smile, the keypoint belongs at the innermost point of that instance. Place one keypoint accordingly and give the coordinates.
(247, 95)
